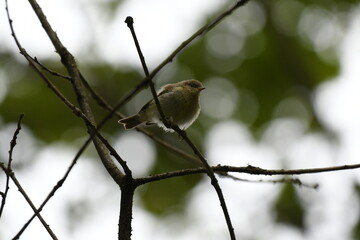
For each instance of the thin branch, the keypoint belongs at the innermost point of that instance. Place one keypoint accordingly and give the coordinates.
(204, 29)
(294, 181)
(12, 146)
(221, 169)
(214, 181)
(56, 187)
(56, 74)
(10, 174)
(260, 171)
(129, 21)
(170, 147)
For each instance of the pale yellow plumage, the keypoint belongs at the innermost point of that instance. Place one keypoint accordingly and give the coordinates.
(179, 102)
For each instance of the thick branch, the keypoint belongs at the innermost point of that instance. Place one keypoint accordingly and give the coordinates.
(128, 187)
(69, 62)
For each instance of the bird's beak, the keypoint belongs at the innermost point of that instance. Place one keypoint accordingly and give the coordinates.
(201, 88)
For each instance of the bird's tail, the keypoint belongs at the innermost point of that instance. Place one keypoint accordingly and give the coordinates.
(131, 122)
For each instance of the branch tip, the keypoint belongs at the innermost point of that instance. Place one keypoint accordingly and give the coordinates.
(129, 21)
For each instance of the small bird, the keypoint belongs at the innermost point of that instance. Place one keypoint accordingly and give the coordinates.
(179, 103)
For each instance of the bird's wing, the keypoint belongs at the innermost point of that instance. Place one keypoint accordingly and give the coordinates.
(143, 109)
(162, 91)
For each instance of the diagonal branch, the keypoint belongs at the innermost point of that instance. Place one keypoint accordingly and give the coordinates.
(51, 71)
(203, 30)
(214, 181)
(69, 62)
(129, 21)
(55, 188)
(12, 146)
(10, 174)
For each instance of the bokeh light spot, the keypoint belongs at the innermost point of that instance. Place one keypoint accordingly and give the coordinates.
(220, 98)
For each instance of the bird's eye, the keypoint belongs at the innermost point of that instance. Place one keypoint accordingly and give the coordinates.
(194, 84)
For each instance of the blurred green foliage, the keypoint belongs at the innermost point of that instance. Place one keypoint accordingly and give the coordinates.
(288, 208)
(259, 49)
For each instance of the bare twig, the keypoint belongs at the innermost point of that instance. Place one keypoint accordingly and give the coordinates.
(294, 181)
(56, 187)
(12, 146)
(10, 174)
(130, 23)
(221, 169)
(214, 181)
(182, 133)
(56, 74)
(204, 29)
(260, 171)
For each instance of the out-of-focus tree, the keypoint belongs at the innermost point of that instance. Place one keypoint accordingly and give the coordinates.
(262, 63)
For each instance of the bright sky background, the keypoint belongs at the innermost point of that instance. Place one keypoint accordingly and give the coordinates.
(249, 203)
(160, 25)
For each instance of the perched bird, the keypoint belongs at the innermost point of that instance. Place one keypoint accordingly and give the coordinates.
(179, 103)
